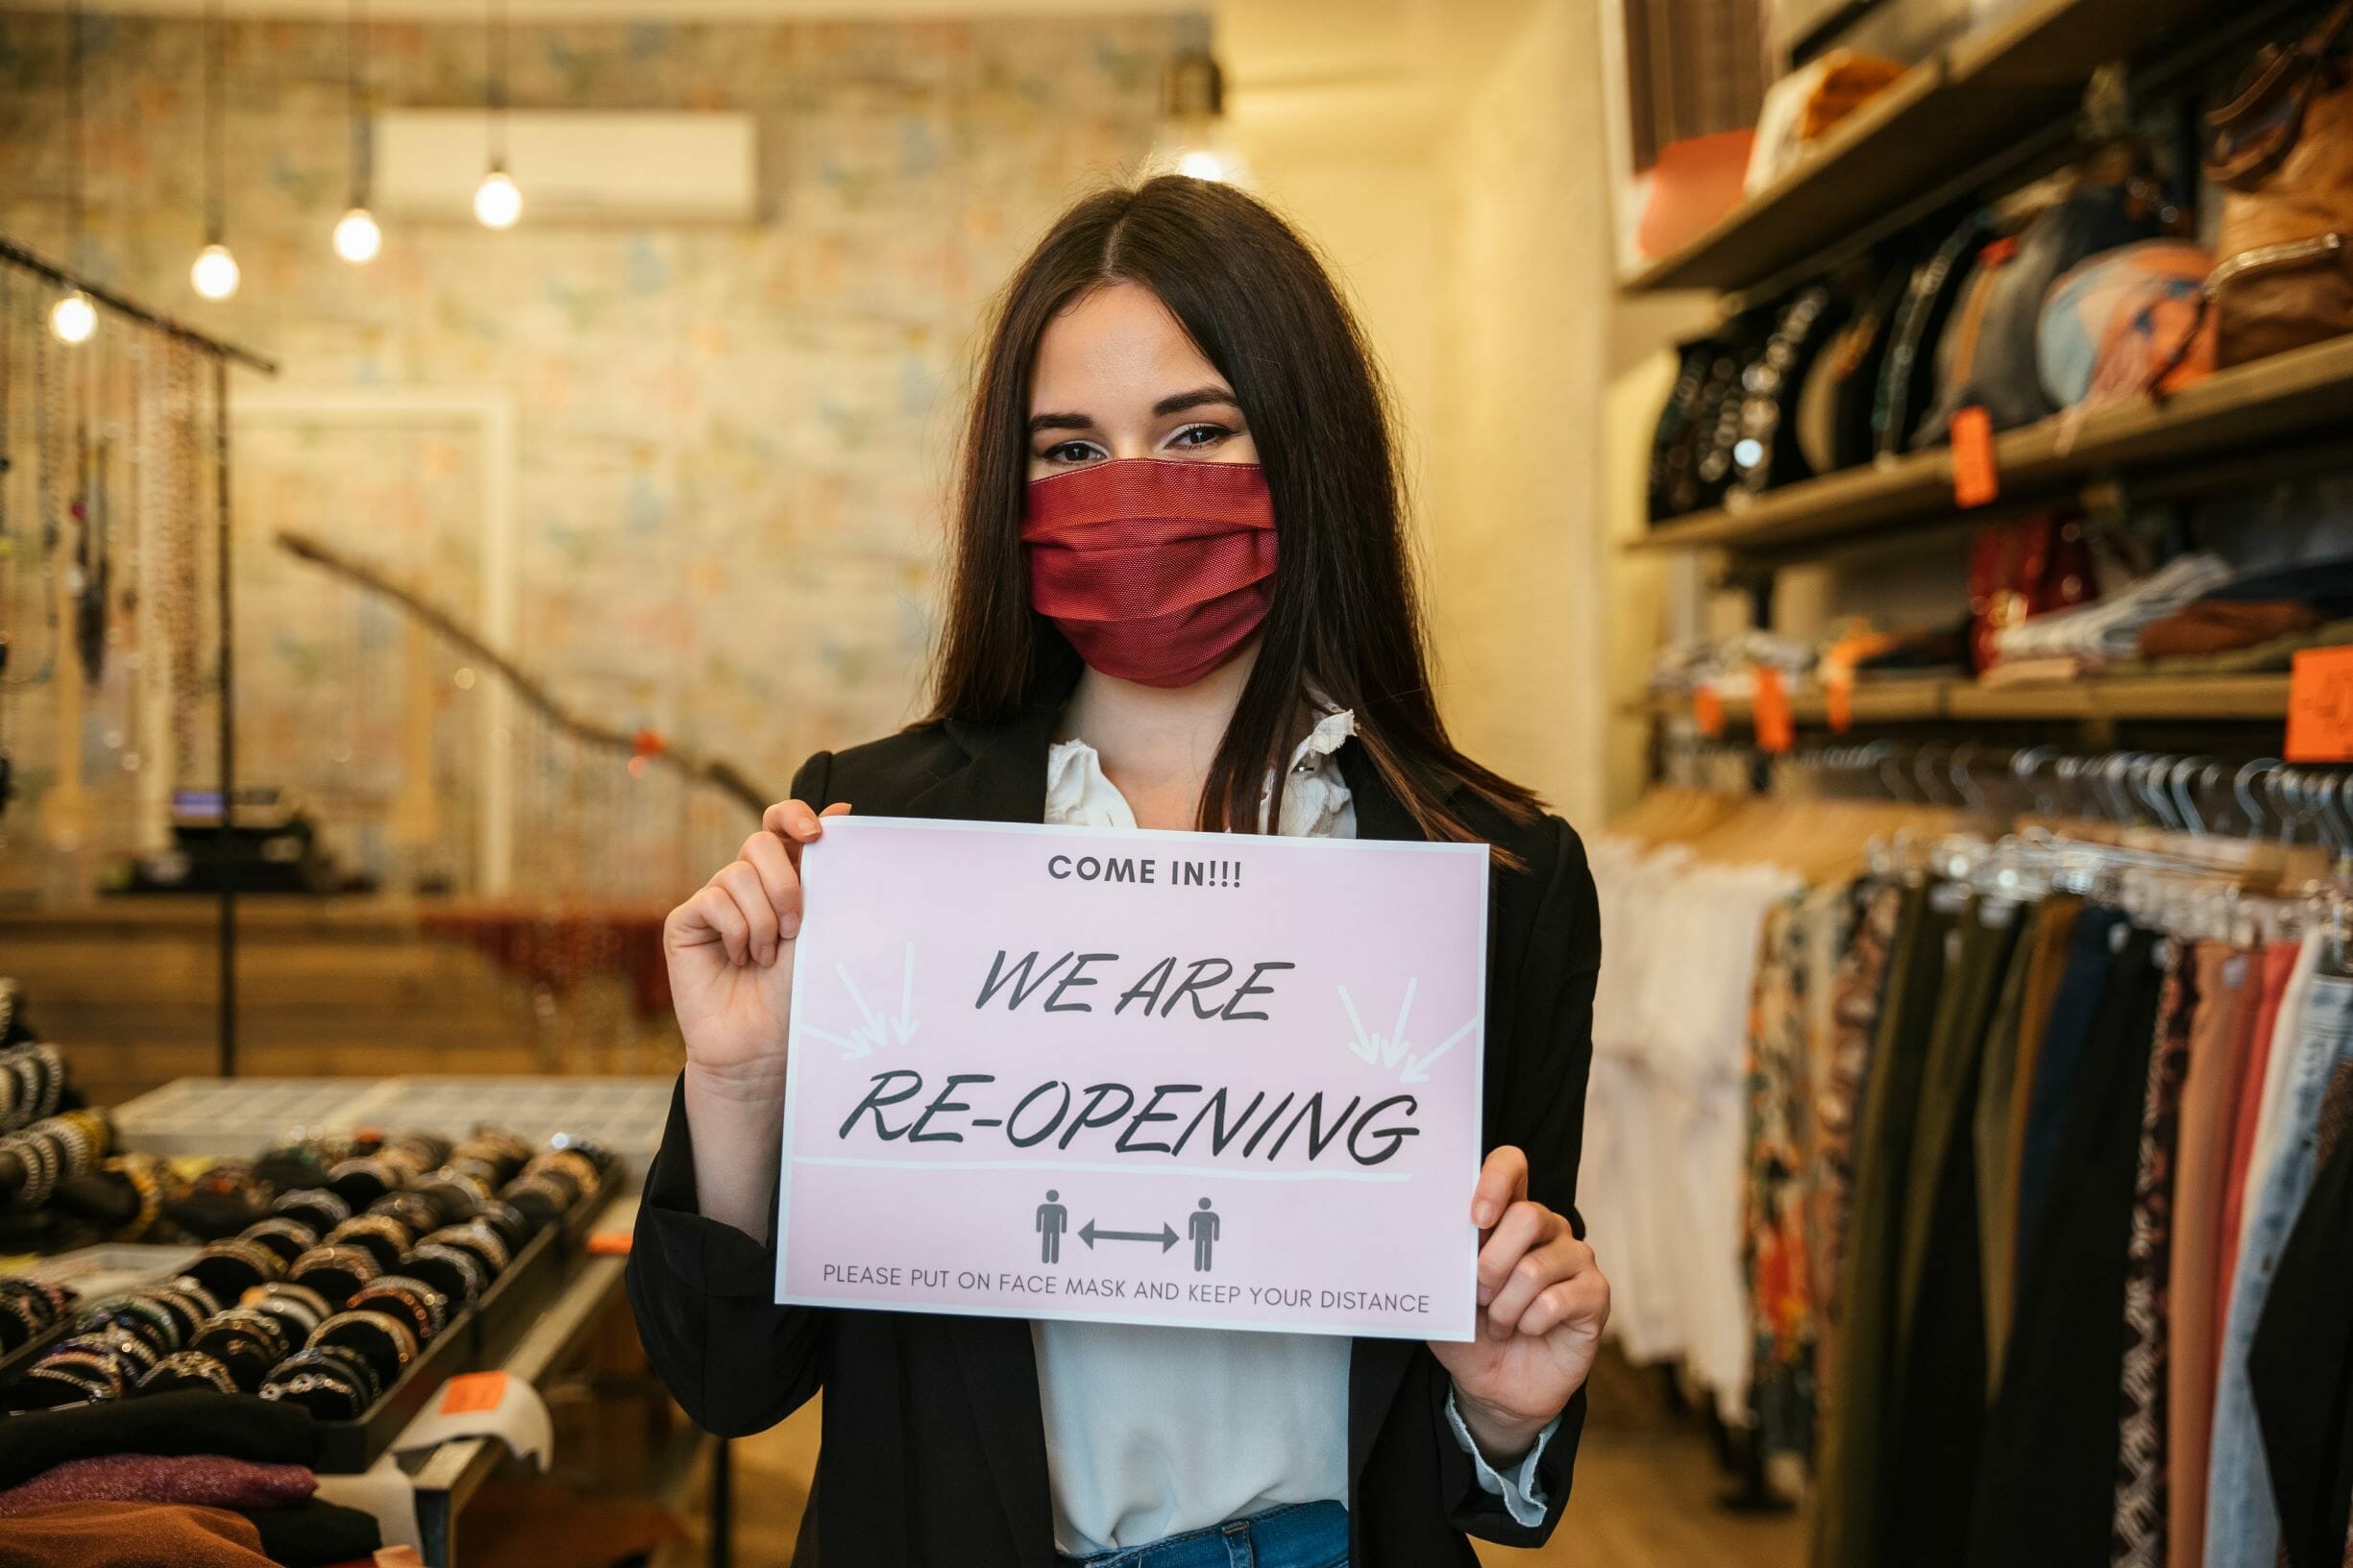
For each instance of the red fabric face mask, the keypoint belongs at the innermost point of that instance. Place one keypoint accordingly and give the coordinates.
(1156, 571)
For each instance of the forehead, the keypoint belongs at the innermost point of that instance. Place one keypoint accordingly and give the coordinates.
(1114, 342)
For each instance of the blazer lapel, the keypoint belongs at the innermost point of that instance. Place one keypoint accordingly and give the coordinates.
(1376, 1367)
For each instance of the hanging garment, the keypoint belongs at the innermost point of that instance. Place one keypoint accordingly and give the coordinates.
(2138, 1531)
(2068, 1033)
(1774, 1258)
(1621, 1202)
(1938, 1358)
(1702, 1012)
(2242, 1524)
(2279, 967)
(2046, 1483)
(1859, 991)
(2302, 1363)
(2230, 984)
(2013, 1046)
(1851, 1508)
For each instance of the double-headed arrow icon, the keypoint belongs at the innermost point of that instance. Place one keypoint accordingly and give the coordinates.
(1166, 1235)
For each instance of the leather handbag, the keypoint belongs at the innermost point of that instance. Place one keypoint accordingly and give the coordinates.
(2283, 154)
(1987, 356)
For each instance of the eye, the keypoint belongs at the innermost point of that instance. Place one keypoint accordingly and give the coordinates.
(1073, 452)
(1195, 436)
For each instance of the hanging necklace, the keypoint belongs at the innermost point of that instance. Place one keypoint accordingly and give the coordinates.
(92, 558)
(10, 578)
(48, 396)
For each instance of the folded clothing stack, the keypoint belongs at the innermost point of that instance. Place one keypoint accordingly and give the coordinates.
(223, 1477)
(2110, 629)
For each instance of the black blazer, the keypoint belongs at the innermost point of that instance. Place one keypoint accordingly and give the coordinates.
(934, 1443)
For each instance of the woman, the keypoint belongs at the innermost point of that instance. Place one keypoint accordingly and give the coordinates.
(1180, 599)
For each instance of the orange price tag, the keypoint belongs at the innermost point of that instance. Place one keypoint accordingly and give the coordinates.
(1975, 481)
(1776, 727)
(1708, 711)
(1838, 699)
(2321, 706)
(471, 1391)
(611, 1243)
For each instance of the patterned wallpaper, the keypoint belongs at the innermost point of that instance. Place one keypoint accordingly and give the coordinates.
(731, 439)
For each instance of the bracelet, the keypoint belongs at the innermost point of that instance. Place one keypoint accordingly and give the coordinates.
(387, 1342)
(383, 1237)
(40, 1168)
(182, 1368)
(453, 1271)
(316, 1207)
(96, 1362)
(289, 1238)
(428, 1306)
(478, 1238)
(144, 1183)
(91, 1385)
(119, 1343)
(334, 1272)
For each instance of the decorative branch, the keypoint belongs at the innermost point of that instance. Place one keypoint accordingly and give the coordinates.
(644, 744)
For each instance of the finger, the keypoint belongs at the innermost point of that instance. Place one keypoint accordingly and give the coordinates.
(742, 880)
(793, 820)
(714, 907)
(1503, 1181)
(779, 880)
(1582, 1301)
(1524, 1226)
(1560, 1256)
(840, 808)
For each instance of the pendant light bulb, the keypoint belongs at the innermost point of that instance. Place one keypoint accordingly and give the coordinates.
(496, 202)
(1200, 164)
(73, 318)
(216, 274)
(357, 238)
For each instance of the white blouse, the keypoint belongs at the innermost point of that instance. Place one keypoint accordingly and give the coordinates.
(1153, 1431)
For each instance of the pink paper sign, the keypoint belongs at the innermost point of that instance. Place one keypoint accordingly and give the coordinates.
(1223, 1081)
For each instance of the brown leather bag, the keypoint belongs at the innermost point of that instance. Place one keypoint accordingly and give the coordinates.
(2283, 155)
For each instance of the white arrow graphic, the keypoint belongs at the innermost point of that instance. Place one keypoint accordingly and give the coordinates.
(1387, 1051)
(875, 1030)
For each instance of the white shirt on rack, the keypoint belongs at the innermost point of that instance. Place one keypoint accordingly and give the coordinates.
(1153, 1431)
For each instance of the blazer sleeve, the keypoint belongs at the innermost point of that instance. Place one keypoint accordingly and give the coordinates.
(704, 1292)
(1545, 1058)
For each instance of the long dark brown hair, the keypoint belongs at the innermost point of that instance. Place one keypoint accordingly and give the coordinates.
(1345, 617)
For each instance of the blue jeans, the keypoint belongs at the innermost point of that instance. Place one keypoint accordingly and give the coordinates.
(1296, 1535)
(2242, 1518)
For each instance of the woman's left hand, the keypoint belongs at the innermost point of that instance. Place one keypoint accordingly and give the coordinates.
(1545, 1304)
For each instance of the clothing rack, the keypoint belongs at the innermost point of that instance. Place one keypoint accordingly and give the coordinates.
(220, 355)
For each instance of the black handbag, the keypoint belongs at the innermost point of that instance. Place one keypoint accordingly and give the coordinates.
(1767, 451)
(1907, 375)
(1692, 449)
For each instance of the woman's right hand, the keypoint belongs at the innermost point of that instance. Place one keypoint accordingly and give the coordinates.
(730, 947)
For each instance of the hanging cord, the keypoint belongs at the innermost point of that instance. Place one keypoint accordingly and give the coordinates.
(76, 197)
(495, 88)
(216, 156)
(355, 65)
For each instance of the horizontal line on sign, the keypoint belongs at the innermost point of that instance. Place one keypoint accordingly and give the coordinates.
(1218, 1172)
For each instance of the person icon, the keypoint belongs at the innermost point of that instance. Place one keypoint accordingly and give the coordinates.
(1203, 1228)
(1052, 1220)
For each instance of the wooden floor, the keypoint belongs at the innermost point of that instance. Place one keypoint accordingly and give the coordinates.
(1645, 1497)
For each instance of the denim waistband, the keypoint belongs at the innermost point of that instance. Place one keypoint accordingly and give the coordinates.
(1295, 1535)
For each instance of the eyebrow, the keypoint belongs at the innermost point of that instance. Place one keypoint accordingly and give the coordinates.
(1176, 403)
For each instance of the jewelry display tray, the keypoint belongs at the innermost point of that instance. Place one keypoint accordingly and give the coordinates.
(478, 1339)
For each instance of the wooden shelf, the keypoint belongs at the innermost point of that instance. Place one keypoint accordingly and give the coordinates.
(1938, 121)
(2300, 395)
(2190, 698)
